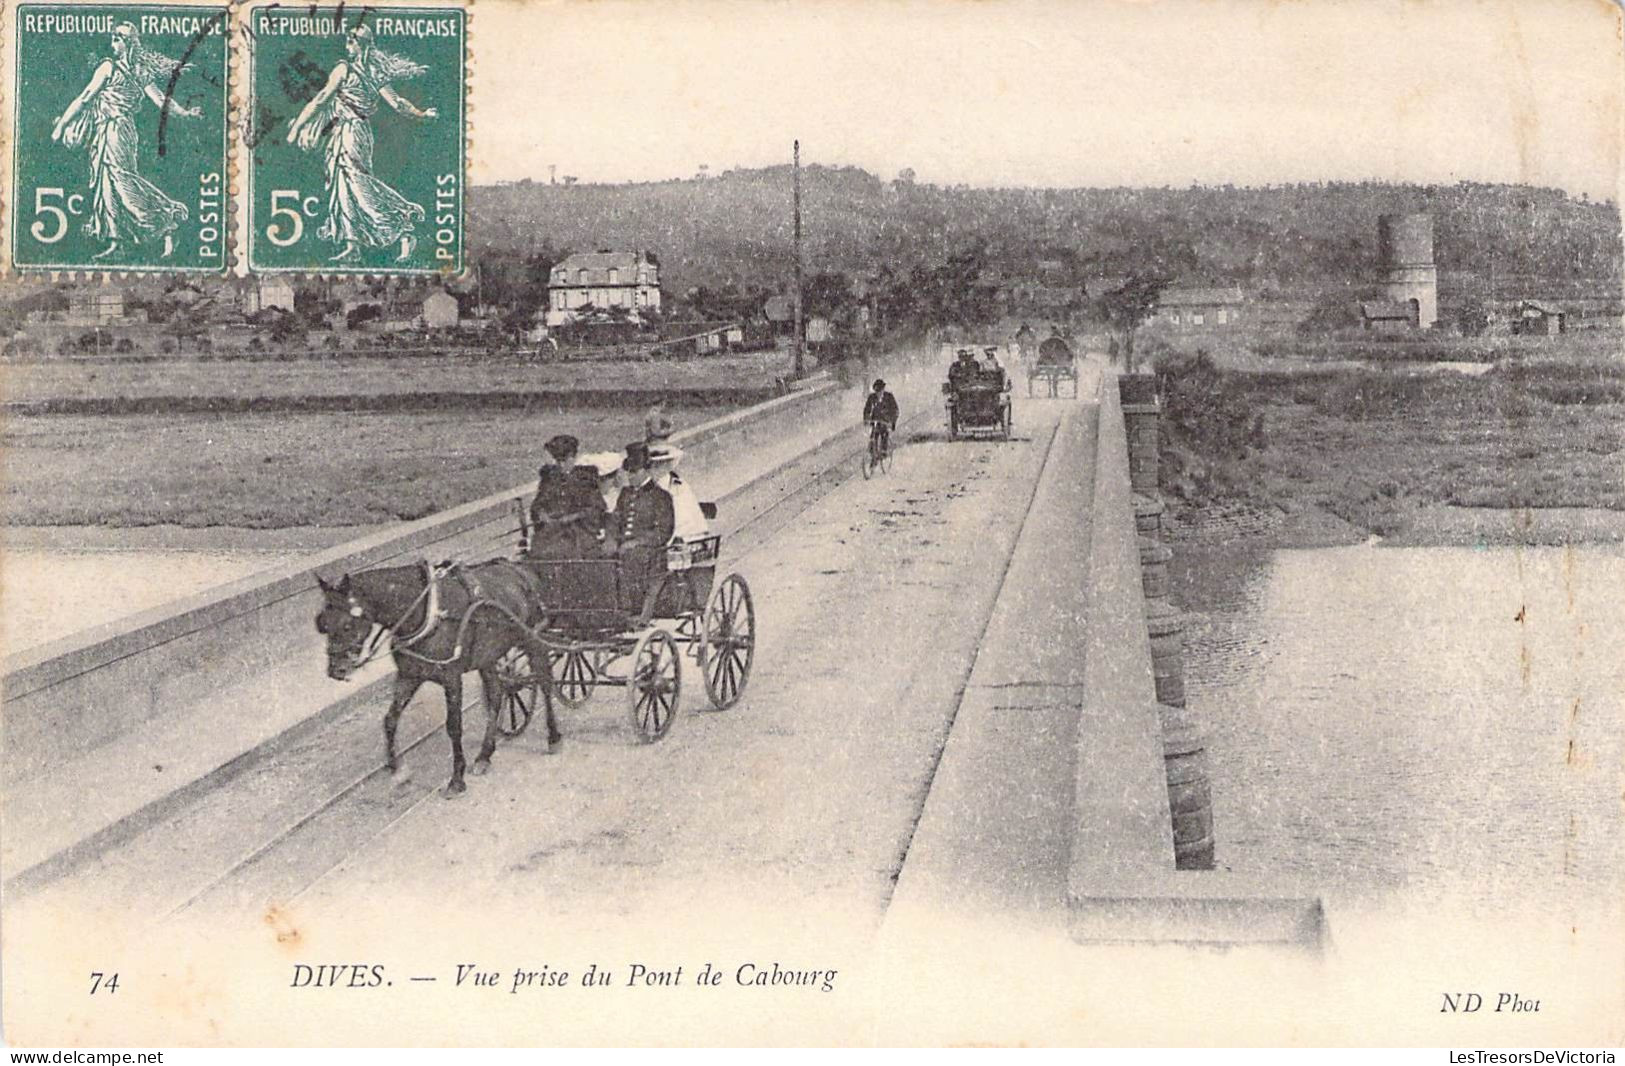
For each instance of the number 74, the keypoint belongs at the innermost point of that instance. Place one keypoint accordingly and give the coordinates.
(110, 984)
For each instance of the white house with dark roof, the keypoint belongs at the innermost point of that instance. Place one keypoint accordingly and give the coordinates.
(603, 280)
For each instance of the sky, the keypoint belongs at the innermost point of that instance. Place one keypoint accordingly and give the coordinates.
(1054, 92)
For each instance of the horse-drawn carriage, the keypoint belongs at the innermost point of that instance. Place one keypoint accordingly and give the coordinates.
(540, 629)
(610, 627)
(1056, 363)
(978, 402)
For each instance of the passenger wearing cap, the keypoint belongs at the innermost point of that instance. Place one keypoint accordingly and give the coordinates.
(963, 371)
(568, 512)
(642, 527)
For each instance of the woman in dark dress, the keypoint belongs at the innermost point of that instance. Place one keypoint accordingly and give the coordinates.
(568, 512)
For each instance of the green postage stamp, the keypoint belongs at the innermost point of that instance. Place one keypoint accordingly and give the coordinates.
(119, 122)
(355, 138)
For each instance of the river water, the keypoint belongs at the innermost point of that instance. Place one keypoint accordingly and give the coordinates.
(1413, 722)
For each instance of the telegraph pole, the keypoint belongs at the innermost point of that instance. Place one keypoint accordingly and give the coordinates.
(797, 294)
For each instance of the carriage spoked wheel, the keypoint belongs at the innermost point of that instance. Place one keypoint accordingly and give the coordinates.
(521, 692)
(728, 642)
(574, 676)
(654, 685)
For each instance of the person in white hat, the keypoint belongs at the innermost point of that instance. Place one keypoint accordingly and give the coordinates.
(610, 478)
(690, 522)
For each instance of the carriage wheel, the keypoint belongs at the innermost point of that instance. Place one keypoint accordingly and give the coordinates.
(654, 685)
(1007, 421)
(521, 692)
(574, 676)
(729, 645)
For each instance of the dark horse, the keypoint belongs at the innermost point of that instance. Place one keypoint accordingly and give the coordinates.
(442, 625)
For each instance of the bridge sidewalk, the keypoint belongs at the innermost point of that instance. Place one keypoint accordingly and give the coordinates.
(994, 836)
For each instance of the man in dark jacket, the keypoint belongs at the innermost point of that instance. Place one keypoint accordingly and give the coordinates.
(642, 527)
(568, 512)
(879, 413)
(881, 406)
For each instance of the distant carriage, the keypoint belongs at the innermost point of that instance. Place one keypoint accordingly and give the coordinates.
(1056, 363)
(978, 403)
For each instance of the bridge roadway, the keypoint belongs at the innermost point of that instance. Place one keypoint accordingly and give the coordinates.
(783, 821)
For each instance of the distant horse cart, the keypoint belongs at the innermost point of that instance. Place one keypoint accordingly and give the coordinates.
(1056, 363)
(978, 402)
(544, 630)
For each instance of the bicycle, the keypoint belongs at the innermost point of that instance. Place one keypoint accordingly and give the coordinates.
(878, 455)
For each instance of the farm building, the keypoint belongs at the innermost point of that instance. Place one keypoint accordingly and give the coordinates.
(264, 294)
(440, 311)
(1388, 316)
(94, 307)
(603, 280)
(1201, 308)
(1538, 319)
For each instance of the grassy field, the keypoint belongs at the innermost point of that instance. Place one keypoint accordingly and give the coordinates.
(277, 471)
(255, 379)
(1379, 449)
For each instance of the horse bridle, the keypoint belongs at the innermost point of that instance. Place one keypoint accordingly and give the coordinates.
(371, 646)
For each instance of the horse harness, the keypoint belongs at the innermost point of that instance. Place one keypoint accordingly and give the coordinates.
(433, 614)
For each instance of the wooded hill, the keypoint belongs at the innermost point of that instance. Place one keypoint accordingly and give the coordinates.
(736, 228)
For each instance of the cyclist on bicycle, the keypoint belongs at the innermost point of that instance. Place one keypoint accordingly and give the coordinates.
(880, 411)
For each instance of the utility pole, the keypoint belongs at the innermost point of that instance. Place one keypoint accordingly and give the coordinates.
(797, 294)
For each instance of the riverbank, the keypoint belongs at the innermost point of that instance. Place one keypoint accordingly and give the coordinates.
(1519, 455)
(1269, 526)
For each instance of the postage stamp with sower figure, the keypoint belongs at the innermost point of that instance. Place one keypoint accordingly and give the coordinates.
(119, 155)
(355, 138)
